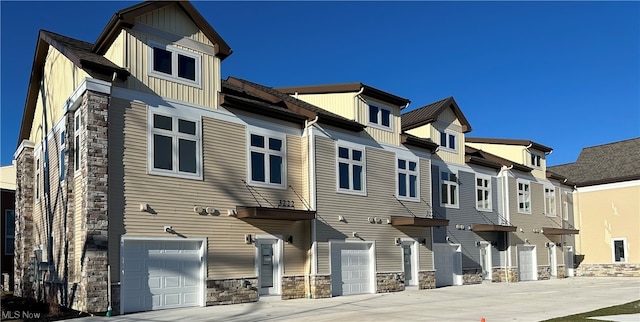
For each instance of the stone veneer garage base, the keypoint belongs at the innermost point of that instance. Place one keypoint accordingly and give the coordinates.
(498, 275)
(389, 282)
(232, 291)
(426, 280)
(472, 276)
(544, 272)
(608, 270)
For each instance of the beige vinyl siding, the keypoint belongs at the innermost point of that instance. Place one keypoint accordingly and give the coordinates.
(138, 58)
(342, 104)
(424, 132)
(115, 53)
(528, 222)
(379, 202)
(514, 153)
(172, 199)
(174, 20)
(61, 78)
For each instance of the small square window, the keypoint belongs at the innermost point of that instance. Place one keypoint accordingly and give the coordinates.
(380, 117)
(187, 67)
(186, 127)
(174, 64)
(357, 155)
(161, 60)
(373, 114)
(162, 122)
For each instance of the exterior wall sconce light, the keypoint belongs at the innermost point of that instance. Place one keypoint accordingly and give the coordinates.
(248, 239)
(355, 234)
(289, 239)
(398, 241)
(422, 241)
(341, 218)
(371, 219)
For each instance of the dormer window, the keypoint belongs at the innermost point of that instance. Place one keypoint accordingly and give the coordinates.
(535, 160)
(174, 64)
(380, 117)
(447, 140)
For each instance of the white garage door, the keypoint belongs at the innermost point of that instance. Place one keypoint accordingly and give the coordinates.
(160, 274)
(527, 263)
(448, 264)
(351, 268)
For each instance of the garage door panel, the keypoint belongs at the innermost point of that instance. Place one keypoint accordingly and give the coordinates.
(161, 274)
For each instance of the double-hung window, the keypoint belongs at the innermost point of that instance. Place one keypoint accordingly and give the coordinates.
(351, 172)
(267, 160)
(448, 189)
(61, 166)
(379, 116)
(535, 160)
(77, 125)
(174, 146)
(174, 64)
(9, 232)
(524, 197)
(550, 201)
(448, 140)
(483, 193)
(408, 179)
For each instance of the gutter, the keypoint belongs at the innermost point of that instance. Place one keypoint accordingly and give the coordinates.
(504, 175)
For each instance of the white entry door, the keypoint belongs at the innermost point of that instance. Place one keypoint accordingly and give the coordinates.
(161, 274)
(448, 264)
(568, 261)
(553, 261)
(485, 260)
(351, 268)
(268, 265)
(410, 262)
(527, 263)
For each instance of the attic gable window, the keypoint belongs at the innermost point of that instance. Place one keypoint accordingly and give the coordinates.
(448, 140)
(174, 64)
(379, 117)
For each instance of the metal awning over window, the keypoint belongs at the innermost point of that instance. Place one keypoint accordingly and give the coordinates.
(274, 213)
(418, 221)
(492, 228)
(559, 231)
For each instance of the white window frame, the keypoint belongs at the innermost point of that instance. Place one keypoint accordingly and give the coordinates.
(449, 183)
(38, 176)
(174, 64)
(175, 136)
(449, 134)
(8, 236)
(408, 173)
(267, 152)
(550, 196)
(483, 189)
(77, 141)
(61, 152)
(624, 246)
(379, 124)
(351, 163)
(526, 195)
(535, 160)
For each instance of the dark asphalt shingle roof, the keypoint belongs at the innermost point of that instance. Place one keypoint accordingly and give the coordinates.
(607, 163)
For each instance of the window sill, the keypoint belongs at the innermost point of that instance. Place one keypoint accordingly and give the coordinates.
(450, 206)
(267, 185)
(484, 210)
(171, 78)
(155, 172)
(445, 149)
(411, 199)
(380, 127)
(524, 213)
(551, 215)
(352, 192)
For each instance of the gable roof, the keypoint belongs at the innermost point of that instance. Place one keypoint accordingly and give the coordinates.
(347, 88)
(606, 163)
(408, 139)
(534, 145)
(473, 155)
(125, 18)
(285, 102)
(79, 53)
(429, 113)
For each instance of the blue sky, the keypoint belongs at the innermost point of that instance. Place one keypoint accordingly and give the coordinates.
(563, 74)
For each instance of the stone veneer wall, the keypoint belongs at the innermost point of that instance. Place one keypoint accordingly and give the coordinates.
(426, 280)
(608, 270)
(294, 287)
(498, 275)
(472, 276)
(92, 287)
(232, 291)
(561, 272)
(320, 286)
(23, 285)
(389, 282)
(544, 272)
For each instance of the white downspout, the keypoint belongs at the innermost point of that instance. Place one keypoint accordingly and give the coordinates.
(355, 106)
(311, 172)
(504, 173)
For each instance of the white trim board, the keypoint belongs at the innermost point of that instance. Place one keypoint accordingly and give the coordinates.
(608, 186)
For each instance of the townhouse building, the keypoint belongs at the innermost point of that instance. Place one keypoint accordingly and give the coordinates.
(539, 203)
(7, 223)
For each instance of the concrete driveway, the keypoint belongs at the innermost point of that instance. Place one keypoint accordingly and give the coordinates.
(524, 301)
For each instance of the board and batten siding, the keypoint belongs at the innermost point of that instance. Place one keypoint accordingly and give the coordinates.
(174, 20)
(172, 200)
(466, 215)
(338, 103)
(137, 48)
(389, 137)
(424, 132)
(379, 202)
(60, 79)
